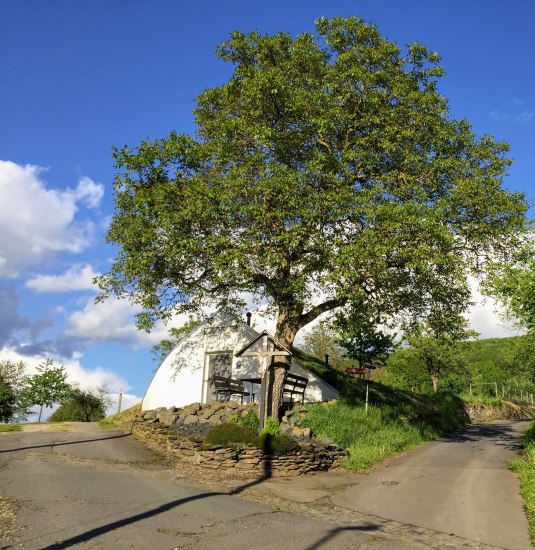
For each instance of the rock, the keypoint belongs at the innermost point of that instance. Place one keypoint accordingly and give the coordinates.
(191, 419)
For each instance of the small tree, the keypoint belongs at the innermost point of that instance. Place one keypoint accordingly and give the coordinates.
(47, 387)
(13, 380)
(359, 335)
(435, 344)
(83, 406)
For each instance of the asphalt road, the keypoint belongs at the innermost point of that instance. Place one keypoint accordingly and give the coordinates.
(99, 489)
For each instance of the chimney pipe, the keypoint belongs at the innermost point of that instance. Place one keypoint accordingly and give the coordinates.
(249, 318)
(327, 359)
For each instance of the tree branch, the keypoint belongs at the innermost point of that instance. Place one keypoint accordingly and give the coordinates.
(319, 309)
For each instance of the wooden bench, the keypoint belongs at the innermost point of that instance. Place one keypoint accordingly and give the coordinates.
(227, 387)
(294, 385)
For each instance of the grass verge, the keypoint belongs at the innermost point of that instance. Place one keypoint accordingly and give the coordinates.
(116, 420)
(10, 428)
(525, 468)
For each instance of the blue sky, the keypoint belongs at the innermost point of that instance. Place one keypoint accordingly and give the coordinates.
(77, 78)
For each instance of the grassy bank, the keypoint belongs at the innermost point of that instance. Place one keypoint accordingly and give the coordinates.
(10, 428)
(525, 468)
(395, 421)
(116, 420)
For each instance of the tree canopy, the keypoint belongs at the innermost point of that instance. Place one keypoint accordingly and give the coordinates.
(327, 170)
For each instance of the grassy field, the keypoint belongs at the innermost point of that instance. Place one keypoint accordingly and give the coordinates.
(525, 468)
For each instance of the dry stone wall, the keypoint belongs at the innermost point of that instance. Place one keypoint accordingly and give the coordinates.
(176, 433)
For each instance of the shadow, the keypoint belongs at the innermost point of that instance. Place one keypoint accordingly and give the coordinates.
(62, 443)
(332, 533)
(103, 529)
(505, 435)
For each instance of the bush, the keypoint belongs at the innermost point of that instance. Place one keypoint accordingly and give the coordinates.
(271, 426)
(229, 433)
(250, 419)
(234, 435)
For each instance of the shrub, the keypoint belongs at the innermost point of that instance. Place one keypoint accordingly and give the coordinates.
(234, 435)
(250, 419)
(228, 433)
(276, 444)
(271, 426)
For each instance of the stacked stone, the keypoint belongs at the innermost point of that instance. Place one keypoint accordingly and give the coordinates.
(310, 457)
(212, 414)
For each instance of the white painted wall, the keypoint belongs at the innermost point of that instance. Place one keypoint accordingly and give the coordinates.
(181, 379)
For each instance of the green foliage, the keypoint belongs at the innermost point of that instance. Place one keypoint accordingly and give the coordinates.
(396, 421)
(271, 426)
(320, 340)
(13, 382)
(231, 433)
(328, 165)
(276, 444)
(525, 468)
(234, 435)
(82, 406)
(360, 337)
(47, 387)
(8, 400)
(10, 428)
(250, 419)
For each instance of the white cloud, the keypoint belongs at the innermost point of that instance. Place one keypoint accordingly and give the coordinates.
(36, 220)
(78, 277)
(111, 320)
(76, 372)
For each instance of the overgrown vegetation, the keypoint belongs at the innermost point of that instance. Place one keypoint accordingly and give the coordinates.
(525, 468)
(237, 436)
(395, 421)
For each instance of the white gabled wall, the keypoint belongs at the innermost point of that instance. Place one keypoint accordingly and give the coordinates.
(180, 379)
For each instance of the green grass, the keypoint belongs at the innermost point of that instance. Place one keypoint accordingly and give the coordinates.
(116, 420)
(395, 421)
(10, 428)
(525, 468)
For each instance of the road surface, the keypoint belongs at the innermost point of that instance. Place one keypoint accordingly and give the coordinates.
(98, 489)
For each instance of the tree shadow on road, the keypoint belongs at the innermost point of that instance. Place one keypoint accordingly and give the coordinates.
(506, 435)
(29, 447)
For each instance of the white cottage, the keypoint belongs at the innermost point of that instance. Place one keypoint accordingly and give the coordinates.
(183, 377)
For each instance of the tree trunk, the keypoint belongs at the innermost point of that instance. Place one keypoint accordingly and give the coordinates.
(40, 412)
(287, 327)
(435, 378)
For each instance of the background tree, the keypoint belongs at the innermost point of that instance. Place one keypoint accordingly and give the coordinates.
(8, 400)
(327, 166)
(359, 335)
(514, 285)
(47, 387)
(13, 380)
(83, 406)
(435, 344)
(320, 340)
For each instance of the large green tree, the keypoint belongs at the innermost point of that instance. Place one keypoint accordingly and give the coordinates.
(87, 405)
(327, 169)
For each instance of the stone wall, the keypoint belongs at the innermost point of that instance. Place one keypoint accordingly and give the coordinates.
(176, 433)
